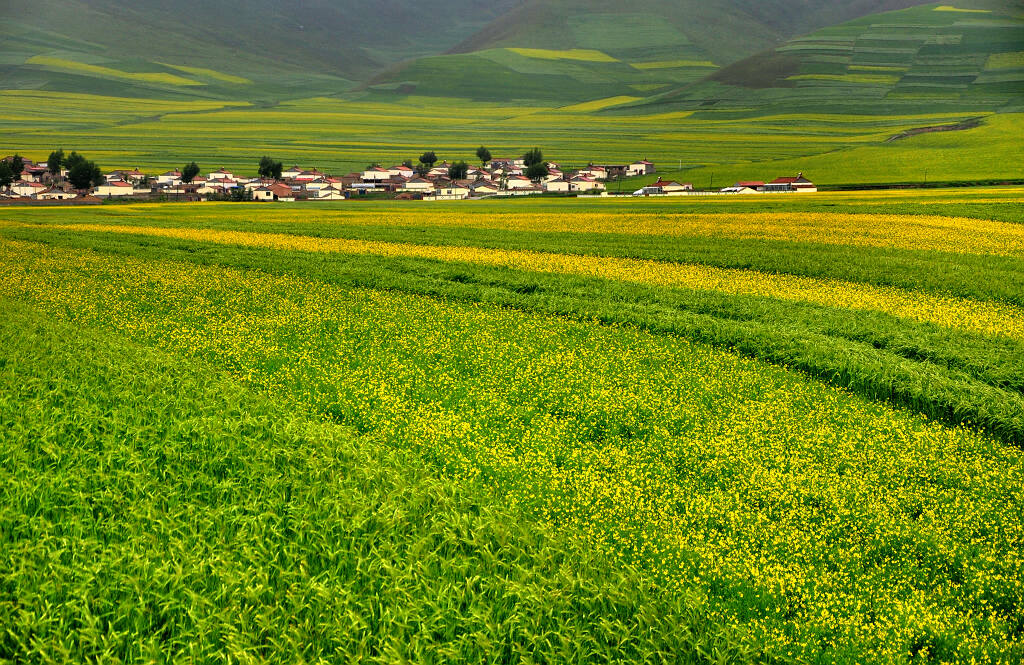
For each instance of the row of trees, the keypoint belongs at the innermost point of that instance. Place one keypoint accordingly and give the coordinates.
(82, 173)
(536, 167)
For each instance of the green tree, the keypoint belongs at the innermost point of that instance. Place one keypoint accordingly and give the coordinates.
(188, 172)
(72, 159)
(85, 174)
(458, 170)
(428, 159)
(6, 175)
(55, 162)
(534, 156)
(536, 171)
(270, 169)
(17, 165)
(483, 154)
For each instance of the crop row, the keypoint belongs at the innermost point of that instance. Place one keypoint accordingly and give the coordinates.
(952, 376)
(974, 316)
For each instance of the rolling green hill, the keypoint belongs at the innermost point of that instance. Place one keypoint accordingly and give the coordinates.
(967, 57)
(231, 49)
(533, 51)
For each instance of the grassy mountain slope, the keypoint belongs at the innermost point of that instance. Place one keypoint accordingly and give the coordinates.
(927, 58)
(632, 49)
(232, 49)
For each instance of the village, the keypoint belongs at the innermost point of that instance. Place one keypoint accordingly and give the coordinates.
(430, 182)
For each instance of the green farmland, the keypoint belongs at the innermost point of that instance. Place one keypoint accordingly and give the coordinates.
(339, 136)
(551, 431)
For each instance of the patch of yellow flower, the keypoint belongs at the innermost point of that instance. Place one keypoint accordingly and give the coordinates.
(991, 318)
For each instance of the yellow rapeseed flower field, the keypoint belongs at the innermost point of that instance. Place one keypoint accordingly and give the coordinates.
(819, 522)
(990, 318)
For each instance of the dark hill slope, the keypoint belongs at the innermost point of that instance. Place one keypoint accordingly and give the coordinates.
(963, 57)
(632, 48)
(284, 43)
(723, 31)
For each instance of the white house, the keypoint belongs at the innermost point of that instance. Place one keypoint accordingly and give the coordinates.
(315, 185)
(288, 174)
(275, 192)
(518, 182)
(738, 190)
(418, 185)
(375, 174)
(55, 195)
(115, 188)
(449, 192)
(595, 172)
(169, 178)
(670, 186)
(329, 194)
(483, 188)
(26, 188)
(642, 167)
(557, 186)
(221, 174)
(789, 184)
(585, 184)
(402, 170)
(134, 176)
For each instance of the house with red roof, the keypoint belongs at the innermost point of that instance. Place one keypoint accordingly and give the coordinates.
(27, 188)
(169, 178)
(641, 167)
(670, 186)
(375, 174)
(275, 192)
(791, 184)
(115, 188)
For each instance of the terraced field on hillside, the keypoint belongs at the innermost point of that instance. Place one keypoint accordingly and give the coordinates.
(619, 431)
(339, 136)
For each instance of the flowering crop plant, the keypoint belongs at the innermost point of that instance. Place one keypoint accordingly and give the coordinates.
(786, 437)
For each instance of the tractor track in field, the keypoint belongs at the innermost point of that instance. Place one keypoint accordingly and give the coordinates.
(160, 116)
(969, 123)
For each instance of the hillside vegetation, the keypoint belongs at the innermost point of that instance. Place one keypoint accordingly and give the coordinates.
(640, 47)
(280, 47)
(936, 57)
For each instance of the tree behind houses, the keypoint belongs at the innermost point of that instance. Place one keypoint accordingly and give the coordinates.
(189, 172)
(458, 170)
(270, 169)
(6, 175)
(483, 154)
(55, 162)
(536, 171)
(17, 165)
(428, 159)
(84, 174)
(534, 156)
